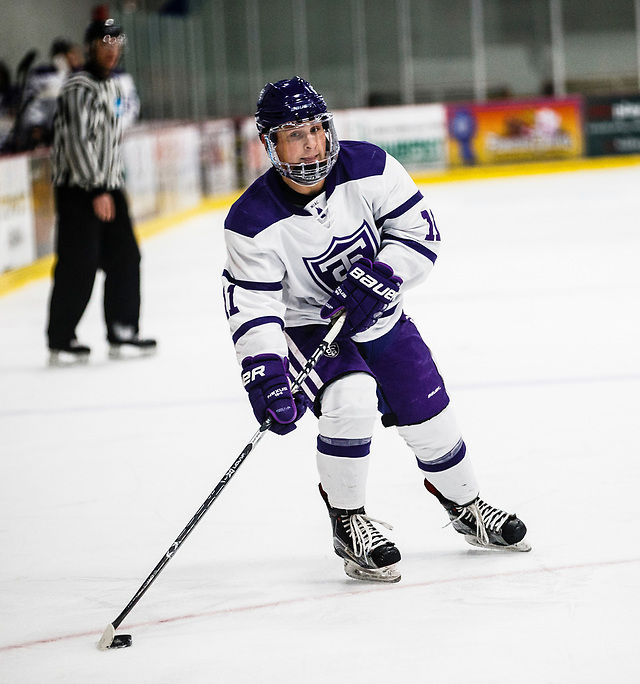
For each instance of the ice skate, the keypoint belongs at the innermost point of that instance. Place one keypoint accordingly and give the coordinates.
(71, 354)
(125, 343)
(483, 525)
(367, 554)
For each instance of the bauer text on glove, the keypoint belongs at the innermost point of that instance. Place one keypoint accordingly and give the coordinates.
(365, 293)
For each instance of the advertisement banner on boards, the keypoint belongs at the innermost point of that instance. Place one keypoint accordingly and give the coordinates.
(178, 158)
(141, 174)
(253, 156)
(17, 242)
(510, 132)
(43, 203)
(612, 125)
(414, 134)
(219, 156)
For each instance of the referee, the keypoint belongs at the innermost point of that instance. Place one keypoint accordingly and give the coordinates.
(94, 230)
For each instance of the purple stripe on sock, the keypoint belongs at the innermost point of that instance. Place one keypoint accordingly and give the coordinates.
(445, 462)
(345, 448)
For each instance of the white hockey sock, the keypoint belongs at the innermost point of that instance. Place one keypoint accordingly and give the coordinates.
(441, 455)
(455, 482)
(349, 409)
(343, 479)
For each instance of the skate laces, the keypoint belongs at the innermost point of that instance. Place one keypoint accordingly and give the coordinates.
(364, 536)
(487, 519)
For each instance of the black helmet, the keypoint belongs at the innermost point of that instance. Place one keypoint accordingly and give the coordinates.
(59, 47)
(101, 28)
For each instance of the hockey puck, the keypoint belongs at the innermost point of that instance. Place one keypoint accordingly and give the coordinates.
(121, 641)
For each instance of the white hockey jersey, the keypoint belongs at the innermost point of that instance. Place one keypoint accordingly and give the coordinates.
(283, 261)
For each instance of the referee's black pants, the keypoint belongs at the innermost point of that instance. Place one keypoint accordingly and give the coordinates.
(85, 244)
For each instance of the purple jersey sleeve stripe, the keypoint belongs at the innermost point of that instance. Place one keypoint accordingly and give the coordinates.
(249, 325)
(345, 448)
(403, 208)
(445, 462)
(421, 249)
(250, 284)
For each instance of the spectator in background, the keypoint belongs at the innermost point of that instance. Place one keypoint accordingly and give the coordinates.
(7, 91)
(7, 103)
(11, 100)
(34, 121)
(94, 229)
(130, 100)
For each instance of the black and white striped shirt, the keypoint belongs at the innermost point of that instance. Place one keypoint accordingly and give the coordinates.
(87, 134)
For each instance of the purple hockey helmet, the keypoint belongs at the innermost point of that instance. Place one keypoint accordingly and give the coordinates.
(288, 104)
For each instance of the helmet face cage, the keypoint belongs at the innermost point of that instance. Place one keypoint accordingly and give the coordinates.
(116, 41)
(305, 174)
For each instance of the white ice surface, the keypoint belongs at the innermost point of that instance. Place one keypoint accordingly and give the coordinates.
(532, 313)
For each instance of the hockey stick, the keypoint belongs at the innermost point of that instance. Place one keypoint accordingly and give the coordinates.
(109, 638)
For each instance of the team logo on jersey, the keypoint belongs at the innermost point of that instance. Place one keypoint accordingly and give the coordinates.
(330, 268)
(332, 350)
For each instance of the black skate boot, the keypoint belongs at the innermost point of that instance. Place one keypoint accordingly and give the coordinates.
(125, 343)
(71, 354)
(483, 525)
(367, 554)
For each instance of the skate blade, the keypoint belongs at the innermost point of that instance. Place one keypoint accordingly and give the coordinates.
(522, 546)
(127, 352)
(390, 573)
(64, 359)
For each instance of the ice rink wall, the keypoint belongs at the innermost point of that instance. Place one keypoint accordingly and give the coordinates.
(175, 170)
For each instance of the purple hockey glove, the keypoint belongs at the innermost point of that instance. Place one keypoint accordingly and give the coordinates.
(266, 379)
(365, 293)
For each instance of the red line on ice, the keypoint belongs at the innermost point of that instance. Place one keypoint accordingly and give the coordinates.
(365, 589)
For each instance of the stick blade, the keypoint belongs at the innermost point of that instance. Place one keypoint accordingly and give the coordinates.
(107, 638)
(111, 640)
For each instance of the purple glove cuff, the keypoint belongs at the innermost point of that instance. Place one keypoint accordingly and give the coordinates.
(266, 379)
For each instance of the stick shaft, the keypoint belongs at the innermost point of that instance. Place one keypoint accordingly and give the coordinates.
(331, 335)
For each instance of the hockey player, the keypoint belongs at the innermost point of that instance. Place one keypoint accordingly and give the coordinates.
(332, 227)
